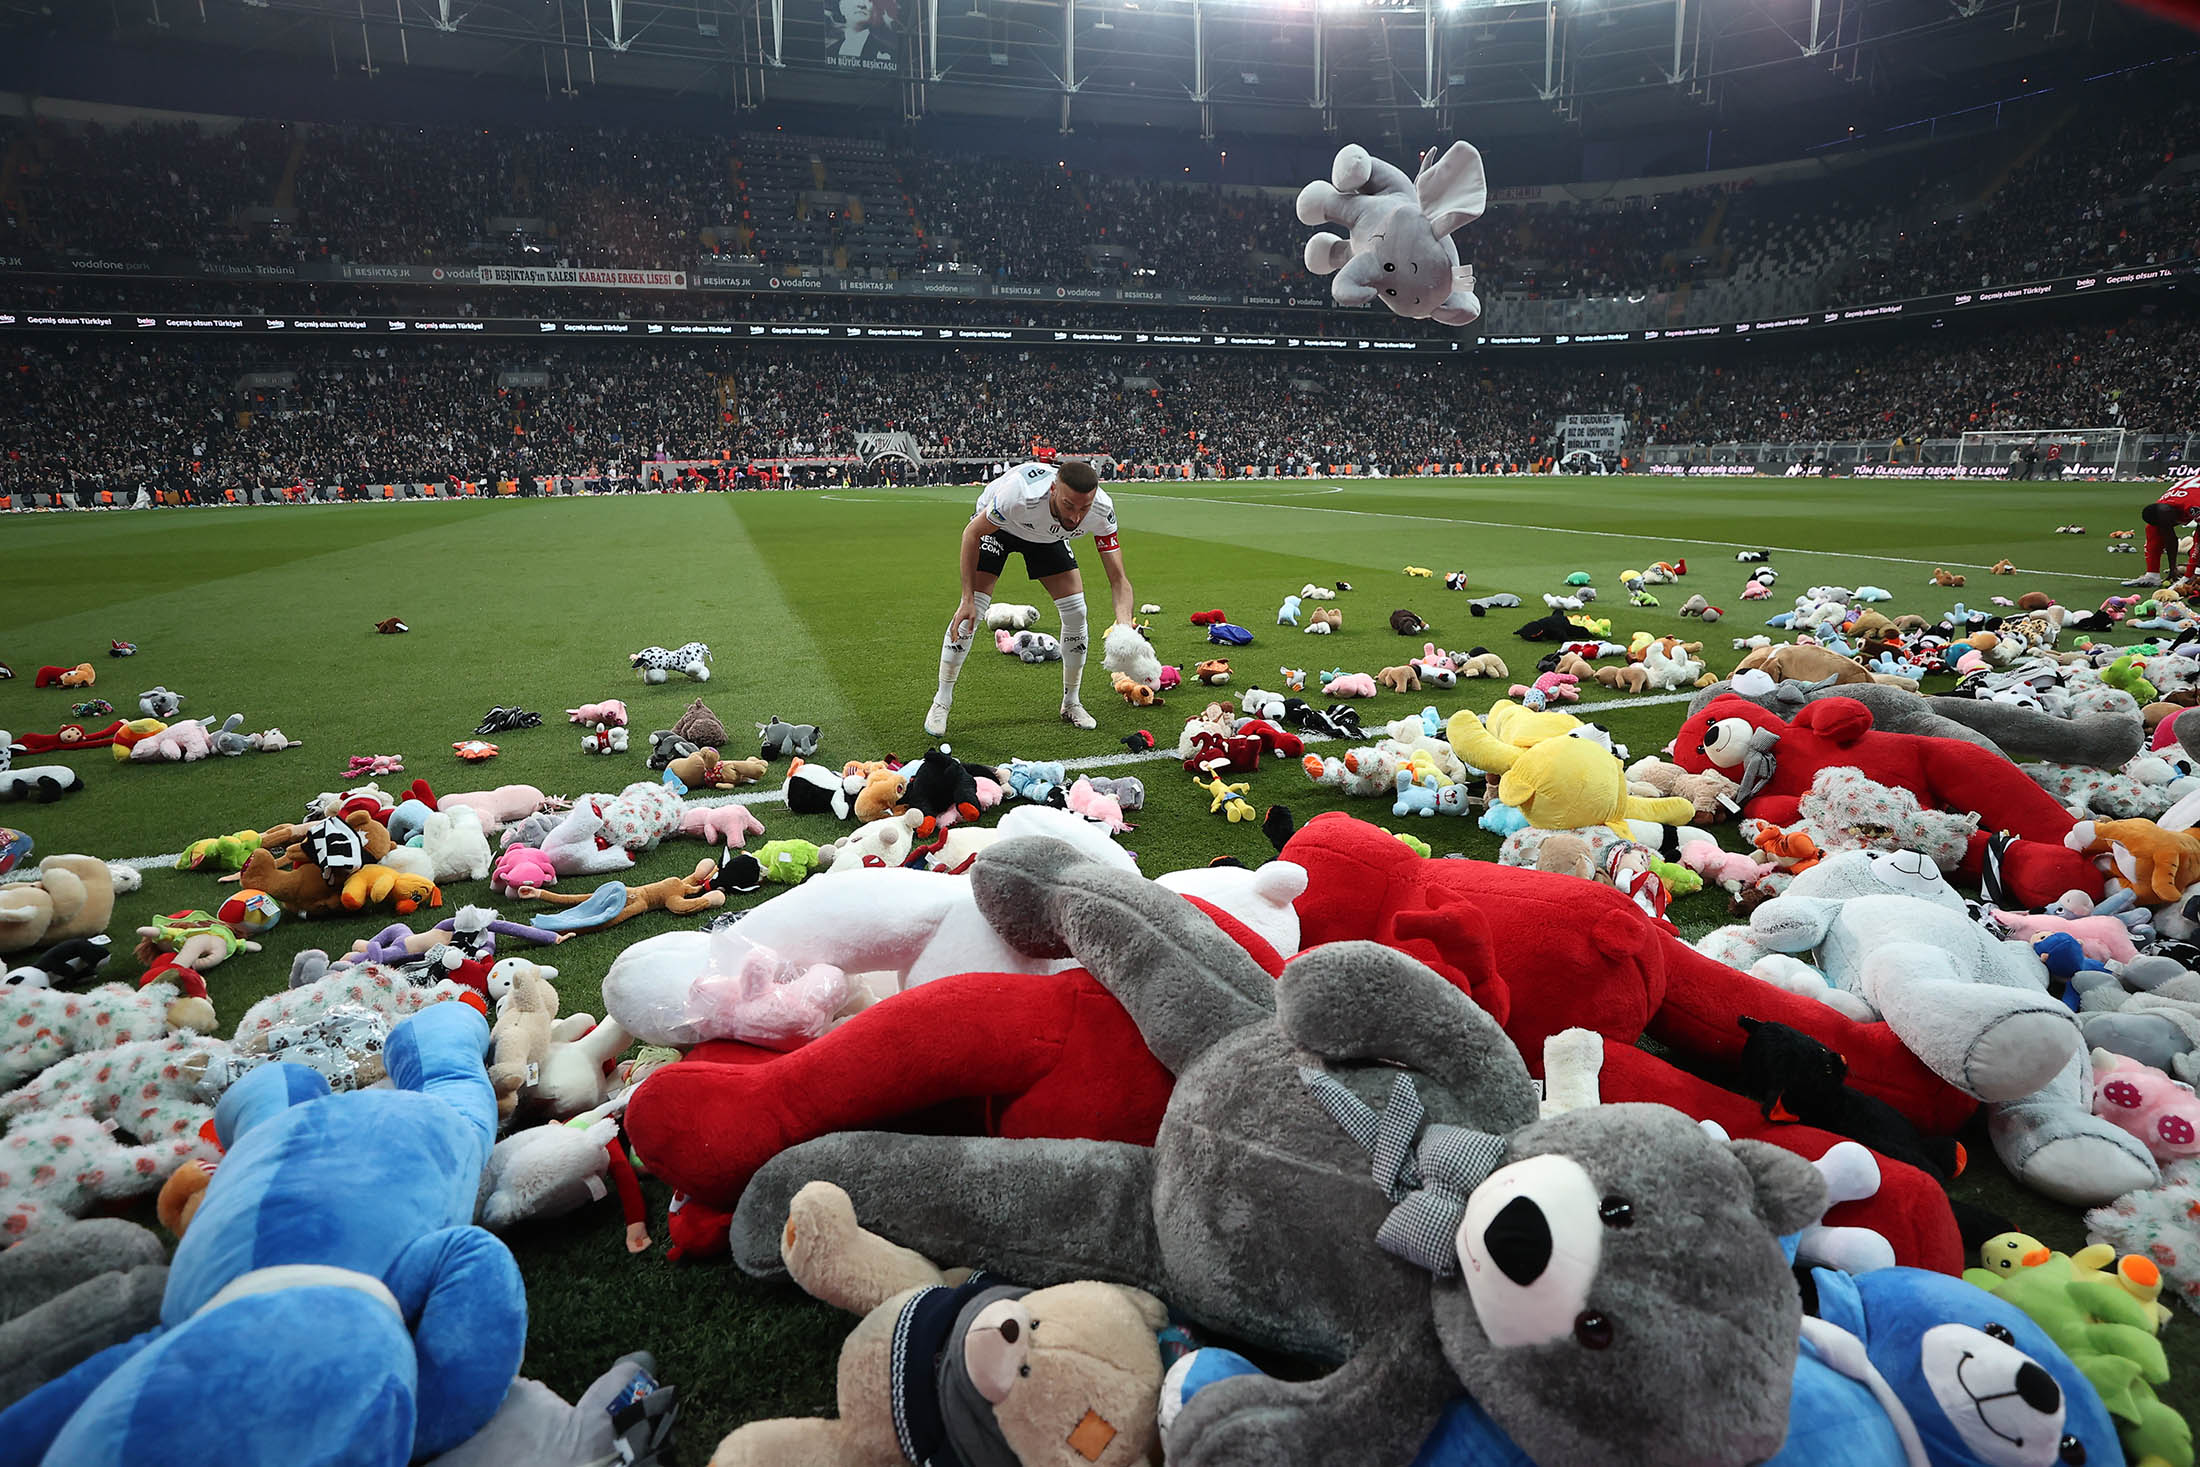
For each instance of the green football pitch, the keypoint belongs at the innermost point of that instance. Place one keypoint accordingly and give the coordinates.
(827, 608)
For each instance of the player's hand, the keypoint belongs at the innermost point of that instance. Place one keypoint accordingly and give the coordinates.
(965, 623)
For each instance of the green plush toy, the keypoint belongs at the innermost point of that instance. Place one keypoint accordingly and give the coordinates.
(1580, 578)
(2108, 1334)
(2124, 673)
(219, 852)
(788, 862)
(1413, 843)
(1679, 880)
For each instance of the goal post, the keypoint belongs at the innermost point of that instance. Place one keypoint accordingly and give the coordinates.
(2094, 452)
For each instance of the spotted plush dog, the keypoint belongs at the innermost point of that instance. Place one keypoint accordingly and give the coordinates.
(656, 664)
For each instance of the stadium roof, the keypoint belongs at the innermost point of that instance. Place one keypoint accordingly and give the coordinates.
(1369, 69)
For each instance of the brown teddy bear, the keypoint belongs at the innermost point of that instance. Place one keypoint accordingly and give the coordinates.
(1943, 578)
(962, 1366)
(1486, 664)
(1136, 693)
(1214, 672)
(1869, 623)
(1711, 794)
(1399, 679)
(1631, 677)
(1783, 661)
(1567, 854)
(1325, 616)
(705, 769)
(700, 727)
(883, 787)
(2001, 568)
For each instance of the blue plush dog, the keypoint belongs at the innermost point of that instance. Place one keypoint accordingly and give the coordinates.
(331, 1301)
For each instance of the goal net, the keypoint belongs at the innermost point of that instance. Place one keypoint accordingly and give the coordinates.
(2094, 453)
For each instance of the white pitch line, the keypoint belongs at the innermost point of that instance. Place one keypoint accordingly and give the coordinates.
(778, 795)
(1430, 519)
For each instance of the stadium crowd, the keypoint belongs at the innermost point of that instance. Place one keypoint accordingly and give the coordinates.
(80, 415)
(2099, 192)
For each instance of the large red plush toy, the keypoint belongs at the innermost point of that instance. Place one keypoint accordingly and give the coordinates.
(1038, 1056)
(1944, 774)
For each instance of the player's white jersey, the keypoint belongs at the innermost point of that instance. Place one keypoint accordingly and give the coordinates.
(1018, 502)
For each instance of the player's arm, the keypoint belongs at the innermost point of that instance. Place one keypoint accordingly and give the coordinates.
(1119, 579)
(966, 614)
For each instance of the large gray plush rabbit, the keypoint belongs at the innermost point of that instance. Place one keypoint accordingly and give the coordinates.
(1352, 1169)
(1400, 250)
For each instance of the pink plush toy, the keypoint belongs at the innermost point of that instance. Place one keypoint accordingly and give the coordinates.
(366, 766)
(1171, 677)
(1004, 640)
(519, 866)
(1559, 687)
(505, 805)
(612, 714)
(1351, 685)
(2162, 1113)
(767, 1001)
(730, 825)
(1756, 591)
(1090, 803)
(990, 792)
(1730, 870)
(2106, 939)
(185, 742)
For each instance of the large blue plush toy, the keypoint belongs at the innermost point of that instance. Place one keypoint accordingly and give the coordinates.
(1899, 1368)
(331, 1302)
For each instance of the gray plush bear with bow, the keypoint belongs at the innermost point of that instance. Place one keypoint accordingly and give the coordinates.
(1399, 250)
(1352, 1168)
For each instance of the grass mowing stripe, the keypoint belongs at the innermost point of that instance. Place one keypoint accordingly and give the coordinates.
(1595, 534)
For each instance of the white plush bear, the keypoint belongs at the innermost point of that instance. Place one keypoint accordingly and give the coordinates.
(909, 926)
(457, 847)
(1894, 942)
(1007, 616)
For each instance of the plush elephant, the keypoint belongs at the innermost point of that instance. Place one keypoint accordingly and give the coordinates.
(1894, 942)
(1619, 1254)
(1400, 250)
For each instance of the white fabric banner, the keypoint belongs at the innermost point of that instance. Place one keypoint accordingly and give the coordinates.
(1598, 432)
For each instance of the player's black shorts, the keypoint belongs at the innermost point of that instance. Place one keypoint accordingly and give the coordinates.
(1041, 558)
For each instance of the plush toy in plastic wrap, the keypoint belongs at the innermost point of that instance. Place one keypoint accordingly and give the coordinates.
(344, 1045)
(1399, 249)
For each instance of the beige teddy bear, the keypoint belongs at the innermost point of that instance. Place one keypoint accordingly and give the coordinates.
(527, 1012)
(1063, 1377)
(74, 896)
(1711, 793)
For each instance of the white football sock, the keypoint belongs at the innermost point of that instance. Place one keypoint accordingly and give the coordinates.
(953, 652)
(1072, 609)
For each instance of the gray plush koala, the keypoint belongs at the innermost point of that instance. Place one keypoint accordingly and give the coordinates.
(778, 739)
(666, 746)
(1893, 941)
(70, 1291)
(1351, 1168)
(1400, 250)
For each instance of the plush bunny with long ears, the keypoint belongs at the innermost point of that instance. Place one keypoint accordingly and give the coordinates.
(1400, 250)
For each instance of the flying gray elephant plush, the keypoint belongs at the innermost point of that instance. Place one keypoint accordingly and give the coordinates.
(1400, 250)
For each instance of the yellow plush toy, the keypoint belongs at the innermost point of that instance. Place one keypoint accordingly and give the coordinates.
(1570, 784)
(2005, 1253)
(1063, 1377)
(373, 885)
(1491, 745)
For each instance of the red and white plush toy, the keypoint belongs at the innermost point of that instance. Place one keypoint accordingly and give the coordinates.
(1776, 762)
(1054, 1055)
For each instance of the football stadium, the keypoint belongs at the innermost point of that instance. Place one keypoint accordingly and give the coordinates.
(1099, 733)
